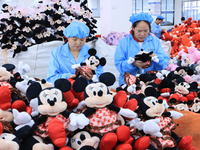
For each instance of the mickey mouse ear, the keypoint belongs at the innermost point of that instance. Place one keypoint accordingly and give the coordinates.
(150, 91)
(107, 78)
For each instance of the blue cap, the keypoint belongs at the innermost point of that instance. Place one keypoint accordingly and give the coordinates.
(76, 29)
(160, 17)
(141, 16)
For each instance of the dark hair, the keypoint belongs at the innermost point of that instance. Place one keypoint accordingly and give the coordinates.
(183, 18)
(159, 19)
(137, 22)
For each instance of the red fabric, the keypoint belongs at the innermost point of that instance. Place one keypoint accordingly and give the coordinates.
(120, 98)
(1, 128)
(123, 133)
(5, 97)
(57, 132)
(165, 90)
(19, 105)
(108, 141)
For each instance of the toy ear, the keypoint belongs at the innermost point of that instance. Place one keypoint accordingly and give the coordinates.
(33, 90)
(102, 61)
(92, 52)
(150, 91)
(193, 85)
(190, 72)
(63, 84)
(107, 78)
(80, 84)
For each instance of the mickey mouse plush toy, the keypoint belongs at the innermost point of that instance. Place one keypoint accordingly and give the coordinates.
(103, 115)
(55, 121)
(91, 63)
(152, 108)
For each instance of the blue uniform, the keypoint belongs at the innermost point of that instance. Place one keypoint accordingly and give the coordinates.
(61, 60)
(128, 47)
(156, 30)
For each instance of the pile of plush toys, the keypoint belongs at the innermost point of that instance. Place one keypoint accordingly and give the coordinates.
(22, 27)
(75, 114)
(183, 36)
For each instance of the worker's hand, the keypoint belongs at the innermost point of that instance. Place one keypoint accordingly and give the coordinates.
(88, 75)
(142, 64)
(72, 76)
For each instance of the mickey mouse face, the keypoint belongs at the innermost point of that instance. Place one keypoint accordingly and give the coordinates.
(51, 102)
(84, 138)
(196, 106)
(7, 141)
(92, 62)
(156, 108)
(182, 88)
(97, 95)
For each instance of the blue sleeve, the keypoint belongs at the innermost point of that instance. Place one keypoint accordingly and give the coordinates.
(121, 57)
(162, 56)
(53, 69)
(99, 71)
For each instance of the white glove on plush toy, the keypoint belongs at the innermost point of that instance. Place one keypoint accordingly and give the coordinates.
(72, 126)
(151, 127)
(155, 59)
(76, 66)
(176, 114)
(132, 89)
(34, 105)
(22, 119)
(130, 60)
(135, 122)
(127, 113)
(82, 121)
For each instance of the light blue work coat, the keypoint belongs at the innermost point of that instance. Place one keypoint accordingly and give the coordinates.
(156, 30)
(128, 47)
(61, 60)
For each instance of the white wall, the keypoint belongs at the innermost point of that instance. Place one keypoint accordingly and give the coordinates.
(114, 16)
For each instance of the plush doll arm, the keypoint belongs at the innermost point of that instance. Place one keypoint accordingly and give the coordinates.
(155, 59)
(173, 114)
(123, 111)
(78, 65)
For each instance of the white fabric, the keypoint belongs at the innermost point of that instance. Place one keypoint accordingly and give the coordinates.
(37, 57)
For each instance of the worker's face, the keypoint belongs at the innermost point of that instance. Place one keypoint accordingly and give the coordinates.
(141, 30)
(76, 43)
(158, 21)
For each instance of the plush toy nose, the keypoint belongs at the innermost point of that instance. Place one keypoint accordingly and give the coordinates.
(160, 101)
(100, 93)
(51, 103)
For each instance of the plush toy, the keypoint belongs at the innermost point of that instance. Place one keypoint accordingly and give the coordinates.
(152, 108)
(54, 120)
(91, 63)
(83, 138)
(9, 140)
(143, 56)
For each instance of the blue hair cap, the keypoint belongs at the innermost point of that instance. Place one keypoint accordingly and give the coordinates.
(76, 29)
(141, 16)
(160, 17)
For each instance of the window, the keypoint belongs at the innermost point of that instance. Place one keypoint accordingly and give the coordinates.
(94, 6)
(167, 11)
(191, 9)
(140, 6)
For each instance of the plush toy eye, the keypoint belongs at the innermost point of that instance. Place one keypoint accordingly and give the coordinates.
(78, 141)
(54, 97)
(153, 103)
(94, 92)
(47, 97)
